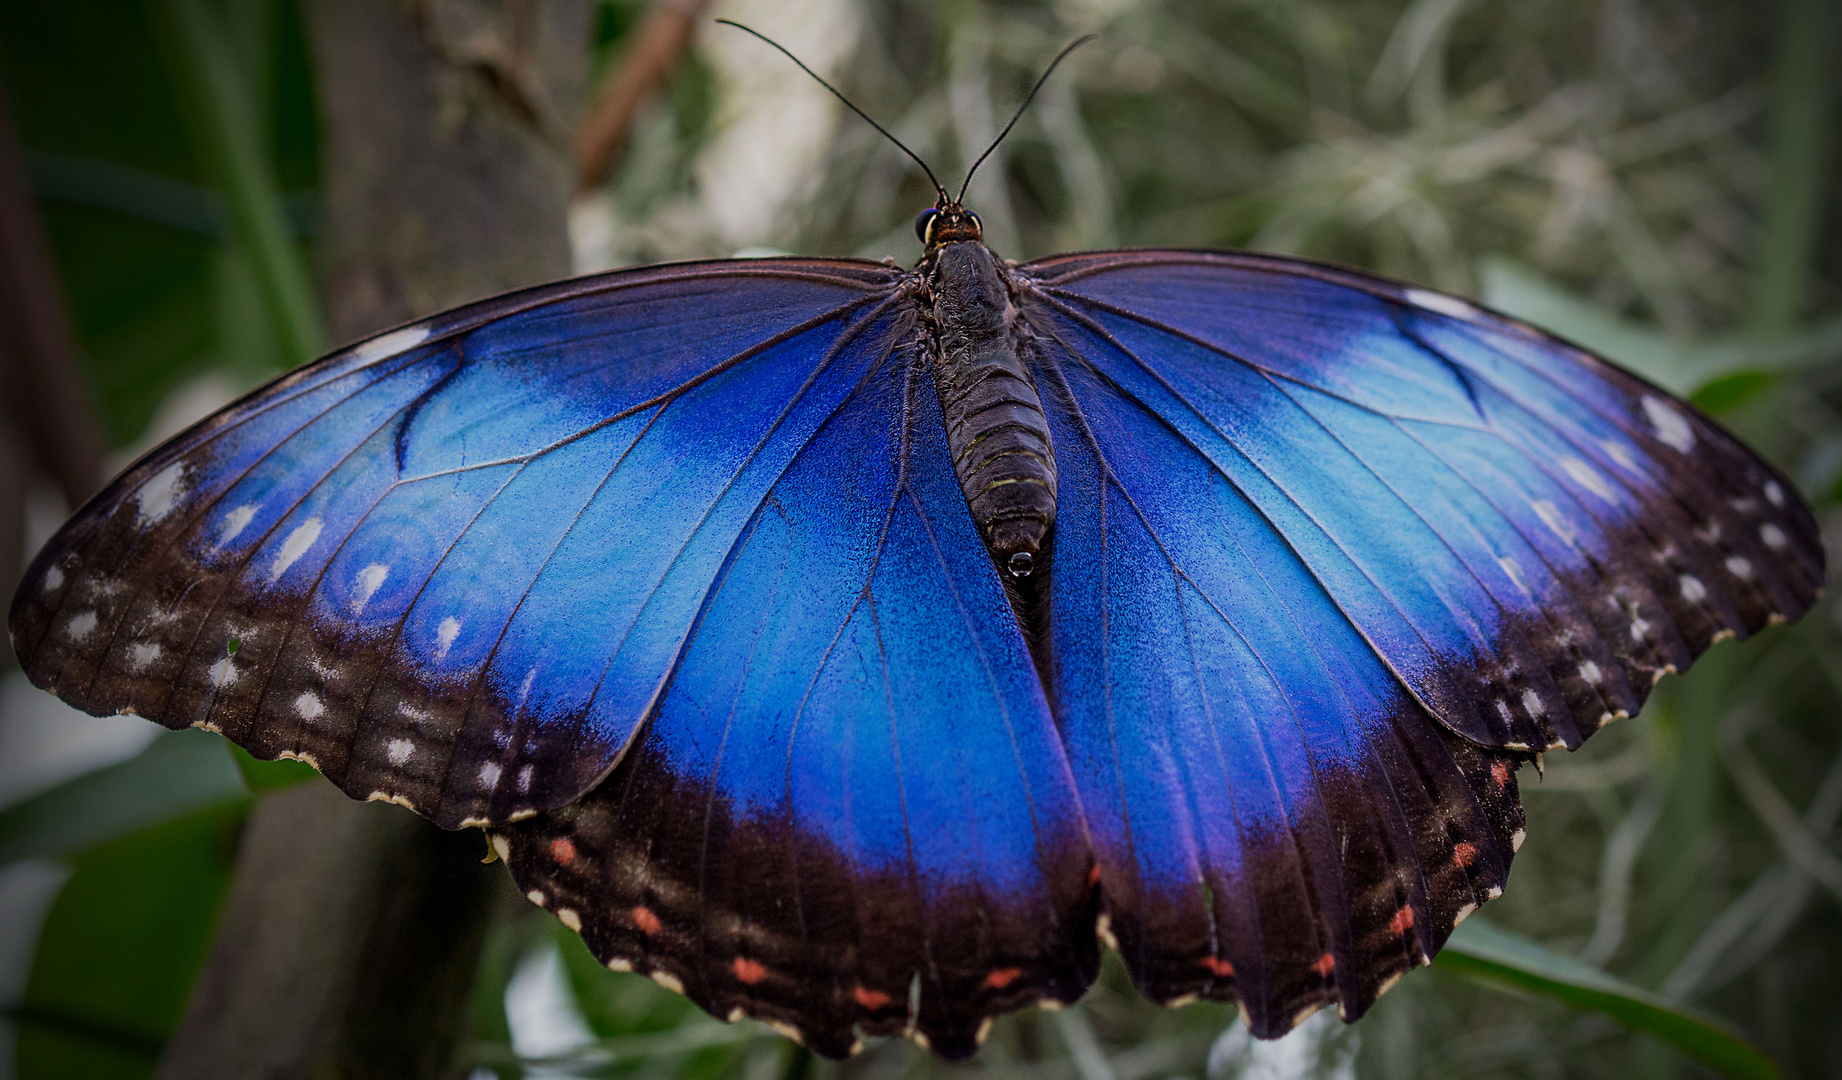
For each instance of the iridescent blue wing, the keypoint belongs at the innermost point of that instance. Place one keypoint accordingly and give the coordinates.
(850, 808)
(1331, 554)
(453, 566)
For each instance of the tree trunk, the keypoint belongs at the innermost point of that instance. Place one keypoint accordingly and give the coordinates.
(348, 944)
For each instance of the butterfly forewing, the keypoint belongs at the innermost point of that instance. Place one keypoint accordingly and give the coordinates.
(415, 563)
(1527, 536)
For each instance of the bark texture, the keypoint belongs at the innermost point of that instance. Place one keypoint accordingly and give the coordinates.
(447, 127)
(348, 944)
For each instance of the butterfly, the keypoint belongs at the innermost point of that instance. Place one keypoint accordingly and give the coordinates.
(861, 649)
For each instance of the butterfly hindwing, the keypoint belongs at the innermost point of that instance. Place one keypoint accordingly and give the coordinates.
(452, 565)
(1276, 820)
(850, 811)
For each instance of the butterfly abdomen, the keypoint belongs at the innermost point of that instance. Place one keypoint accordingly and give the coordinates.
(996, 430)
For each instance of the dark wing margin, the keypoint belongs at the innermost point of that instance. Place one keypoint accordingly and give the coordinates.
(850, 813)
(399, 563)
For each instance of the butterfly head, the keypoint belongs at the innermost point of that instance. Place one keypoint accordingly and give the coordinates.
(946, 222)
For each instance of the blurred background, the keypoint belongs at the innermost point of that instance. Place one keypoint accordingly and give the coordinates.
(195, 196)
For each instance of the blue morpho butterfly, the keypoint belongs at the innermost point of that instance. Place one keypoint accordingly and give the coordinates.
(859, 648)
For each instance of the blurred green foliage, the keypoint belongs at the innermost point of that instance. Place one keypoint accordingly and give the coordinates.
(1653, 179)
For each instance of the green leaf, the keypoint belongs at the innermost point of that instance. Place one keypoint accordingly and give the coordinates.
(1679, 367)
(177, 774)
(1499, 958)
(121, 946)
(232, 148)
(1732, 391)
(268, 775)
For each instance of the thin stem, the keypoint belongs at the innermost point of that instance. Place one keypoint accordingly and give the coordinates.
(232, 149)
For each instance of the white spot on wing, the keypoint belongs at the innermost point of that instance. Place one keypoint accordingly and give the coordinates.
(524, 777)
(1532, 702)
(399, 750)
(1440, 302)
(54, 577)
(309, 707)
(1587, 477)
(1693, 590)
(1618, 452)
(669, 981)
(388, 345)
(1551, 517)
(368, 581)
(1514, 571)
(142, 653)
(295, 546)
(1670, 426)
(445, 635)
(1590, 672)
(489, 775)
(80, 626)
(569, 918)
(160, 494)
(1739, 567)
(224, 672)
(235, 522)
(1773, 536)
(1773, 493)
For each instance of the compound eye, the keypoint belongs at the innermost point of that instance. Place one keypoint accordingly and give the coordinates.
(924, 219)
(976, 223)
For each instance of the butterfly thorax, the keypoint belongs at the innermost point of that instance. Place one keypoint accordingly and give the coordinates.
(996, 430)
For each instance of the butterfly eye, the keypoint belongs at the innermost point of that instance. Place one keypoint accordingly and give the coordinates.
(924, 219)
(976, 223)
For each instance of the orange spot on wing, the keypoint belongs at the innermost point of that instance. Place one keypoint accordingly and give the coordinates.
(1218, 967)
(1002, 978)
(1325, 965)
(1402, 921)
(647, 921)
(870, 999)
(749, 971)
(1499, 771)
(563, 850)
(1093, 875)
(1465, 854)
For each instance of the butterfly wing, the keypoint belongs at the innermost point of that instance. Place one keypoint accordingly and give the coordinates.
(453, 565)
(1311, 532)
(851, 808)
(1528, 536)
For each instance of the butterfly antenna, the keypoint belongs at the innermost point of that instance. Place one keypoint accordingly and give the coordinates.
(1059, 57)
(941, 191)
